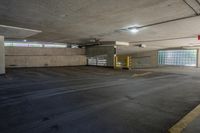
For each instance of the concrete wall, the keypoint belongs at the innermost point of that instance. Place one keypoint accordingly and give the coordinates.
(40, 57)
(2, 55)
(145, 59)
(102, 50)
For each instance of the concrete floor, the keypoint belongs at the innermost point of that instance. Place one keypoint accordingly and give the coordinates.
(93, 100)
(192, 71)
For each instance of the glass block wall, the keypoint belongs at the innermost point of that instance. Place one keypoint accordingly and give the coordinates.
(177, 57)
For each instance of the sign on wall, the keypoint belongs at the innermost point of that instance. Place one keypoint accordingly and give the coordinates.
(100, 60)
(92, 61)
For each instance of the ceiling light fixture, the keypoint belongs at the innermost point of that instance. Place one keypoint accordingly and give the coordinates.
(133, 29)
(141, 45)
(122, 43)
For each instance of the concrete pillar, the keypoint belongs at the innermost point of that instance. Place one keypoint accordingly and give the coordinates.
(198, 57)
(2, 56)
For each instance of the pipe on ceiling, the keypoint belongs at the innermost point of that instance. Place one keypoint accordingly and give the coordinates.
(196, 13)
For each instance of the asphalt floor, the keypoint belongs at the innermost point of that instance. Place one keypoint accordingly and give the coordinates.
(94, 100)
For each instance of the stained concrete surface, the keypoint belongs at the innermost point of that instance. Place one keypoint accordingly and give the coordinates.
(93, 100)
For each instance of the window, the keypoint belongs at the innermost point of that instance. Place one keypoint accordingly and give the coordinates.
(20, 44)
(54, 46)
(8, 44)
(33, 44)
(177, 57)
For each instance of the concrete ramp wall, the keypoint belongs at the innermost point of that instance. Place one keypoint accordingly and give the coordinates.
(44, 57)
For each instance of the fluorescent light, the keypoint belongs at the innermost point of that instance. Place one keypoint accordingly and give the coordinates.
(55, 46)
(122, 43)
(134, 30)
(25, 40)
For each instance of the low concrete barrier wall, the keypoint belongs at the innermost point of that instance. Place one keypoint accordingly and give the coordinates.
(44, 57)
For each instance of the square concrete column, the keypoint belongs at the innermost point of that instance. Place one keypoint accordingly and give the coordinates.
(198, 57)
(2, 56)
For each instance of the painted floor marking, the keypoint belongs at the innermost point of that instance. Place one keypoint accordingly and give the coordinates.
(183, 123)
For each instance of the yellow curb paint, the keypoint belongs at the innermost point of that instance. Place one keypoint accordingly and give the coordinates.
(140, 75)
(183, 123)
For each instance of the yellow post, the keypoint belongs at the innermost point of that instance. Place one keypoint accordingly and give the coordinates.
(128, 62)
(115, 61)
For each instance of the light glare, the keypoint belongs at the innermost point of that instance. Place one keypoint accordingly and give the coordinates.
(134, 30)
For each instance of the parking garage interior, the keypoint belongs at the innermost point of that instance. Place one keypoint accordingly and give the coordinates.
(89, 66)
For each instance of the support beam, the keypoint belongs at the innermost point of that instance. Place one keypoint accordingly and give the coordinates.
(2, 56)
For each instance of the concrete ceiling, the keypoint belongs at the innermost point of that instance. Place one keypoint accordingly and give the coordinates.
(76, 20)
